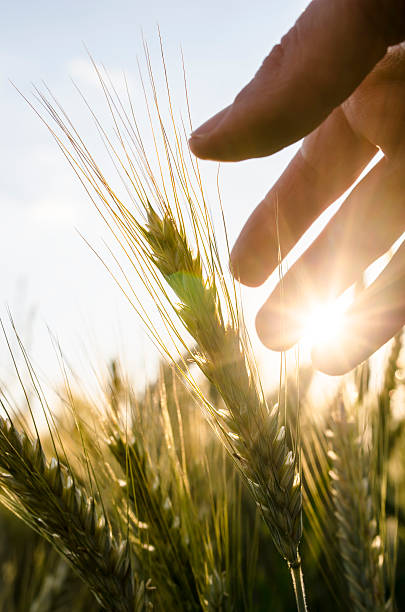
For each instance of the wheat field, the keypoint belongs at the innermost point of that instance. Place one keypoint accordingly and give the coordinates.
(205, 490)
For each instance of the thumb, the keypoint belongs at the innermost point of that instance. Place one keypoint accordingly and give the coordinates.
(319, 62)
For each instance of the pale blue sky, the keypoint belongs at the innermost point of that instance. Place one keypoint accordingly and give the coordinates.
(44, 264)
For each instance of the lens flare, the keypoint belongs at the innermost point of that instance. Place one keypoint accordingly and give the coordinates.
(325, 322)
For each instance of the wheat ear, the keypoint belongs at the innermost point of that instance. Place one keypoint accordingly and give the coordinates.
(46, 496)
(252, 431)
(165, 517)
(360, 543)
(161, 526)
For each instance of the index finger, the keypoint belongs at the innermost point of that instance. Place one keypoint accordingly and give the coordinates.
(319, 62)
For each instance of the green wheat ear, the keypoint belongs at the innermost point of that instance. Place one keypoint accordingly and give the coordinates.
(250, 429)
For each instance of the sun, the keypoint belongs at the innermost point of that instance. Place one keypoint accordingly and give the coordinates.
(324, 322)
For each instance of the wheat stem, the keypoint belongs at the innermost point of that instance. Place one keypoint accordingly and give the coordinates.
(298, 584)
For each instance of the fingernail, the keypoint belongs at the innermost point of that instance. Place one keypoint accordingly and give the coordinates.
(210, 125)
(201, 131)
(195, 136)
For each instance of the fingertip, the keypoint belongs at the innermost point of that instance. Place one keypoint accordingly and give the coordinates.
(203, 141)
(198, 146)
(334, 360)
(277, 329)
(246, 266)
(255, 253)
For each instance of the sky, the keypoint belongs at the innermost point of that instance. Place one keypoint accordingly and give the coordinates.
(50, 280)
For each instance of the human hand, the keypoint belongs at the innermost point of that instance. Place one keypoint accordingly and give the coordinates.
(339, 76)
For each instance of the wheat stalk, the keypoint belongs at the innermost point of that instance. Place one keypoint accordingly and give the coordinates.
(47, 497)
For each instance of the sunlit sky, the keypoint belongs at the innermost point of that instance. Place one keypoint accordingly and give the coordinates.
(49, 278)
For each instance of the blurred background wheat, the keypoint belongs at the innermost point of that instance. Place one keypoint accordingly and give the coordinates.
(168, 500)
